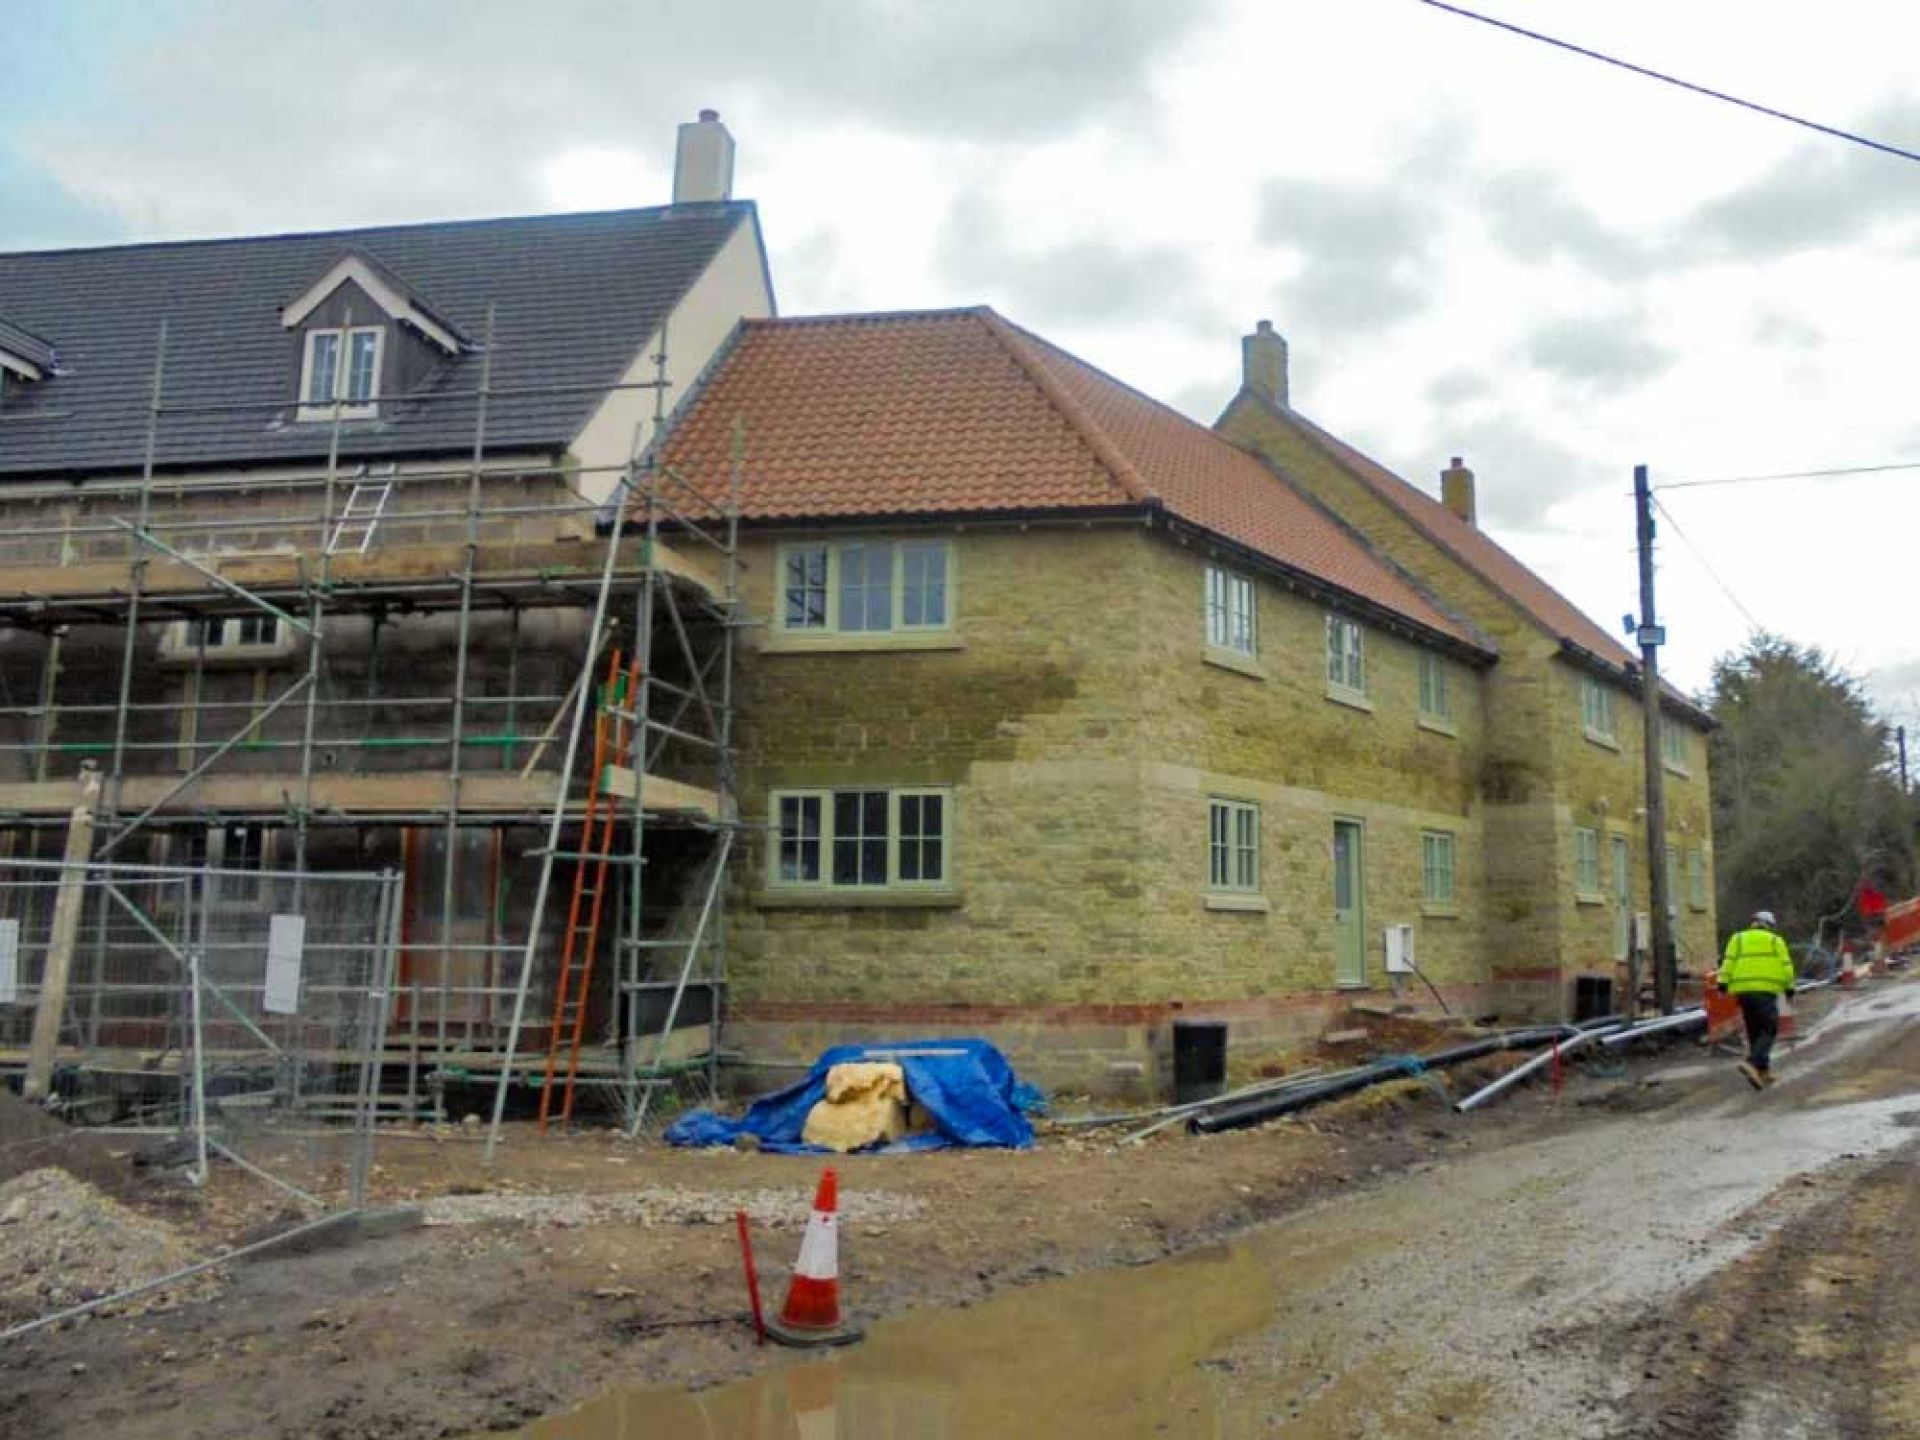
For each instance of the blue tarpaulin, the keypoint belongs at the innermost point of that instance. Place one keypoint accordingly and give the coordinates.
(966, 1087)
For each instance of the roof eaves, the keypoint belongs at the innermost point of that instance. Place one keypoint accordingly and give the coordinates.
(1629, 677)
(1320, 589)
(1332, 448)
(1014, 341)
(393, 293)
(1479, 638)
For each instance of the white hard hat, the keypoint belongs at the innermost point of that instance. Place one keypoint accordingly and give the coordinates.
(1765, 917)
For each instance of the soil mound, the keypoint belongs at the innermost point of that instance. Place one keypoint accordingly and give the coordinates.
(63, 1242)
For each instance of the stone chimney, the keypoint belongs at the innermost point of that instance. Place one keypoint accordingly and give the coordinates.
(1456, 490)
(1263, 364)
(703, 161)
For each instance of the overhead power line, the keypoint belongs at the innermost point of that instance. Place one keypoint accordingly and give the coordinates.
(1705, 564)
(1790, 475)
(1675, 80)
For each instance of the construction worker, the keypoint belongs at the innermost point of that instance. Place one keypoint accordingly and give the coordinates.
(1757, 971)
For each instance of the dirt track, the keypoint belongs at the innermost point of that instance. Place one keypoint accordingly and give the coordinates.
(1554, 1267)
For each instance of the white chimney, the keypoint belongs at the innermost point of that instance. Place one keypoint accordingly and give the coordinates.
(703, 161)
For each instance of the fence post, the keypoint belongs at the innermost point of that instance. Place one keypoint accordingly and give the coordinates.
(67, 906)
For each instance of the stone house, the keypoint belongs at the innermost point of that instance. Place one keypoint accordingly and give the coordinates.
(1563, 785)
(1070, 718)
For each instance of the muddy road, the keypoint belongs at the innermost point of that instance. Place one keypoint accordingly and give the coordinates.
(1653, 1253)
(1681, 1258)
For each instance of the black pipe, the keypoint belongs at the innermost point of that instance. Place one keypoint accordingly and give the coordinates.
(1257, 1109)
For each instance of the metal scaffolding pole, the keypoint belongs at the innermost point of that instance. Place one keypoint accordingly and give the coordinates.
(450, 859)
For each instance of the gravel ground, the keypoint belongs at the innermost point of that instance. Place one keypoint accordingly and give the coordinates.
(773, 1209)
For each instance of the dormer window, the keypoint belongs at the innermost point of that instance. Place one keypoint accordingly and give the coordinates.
(343, 366)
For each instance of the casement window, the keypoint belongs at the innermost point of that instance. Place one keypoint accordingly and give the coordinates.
(344, 366)
(1436, 698)
(1586, 862)
(1697, 879)
(1346, 655)
(1596, 708)
(1673, 745)
(1230, 614)
(862, 839)
(1233, 846)
(1436, 867)
(865, 587)
(234, 632)
(1673, 880)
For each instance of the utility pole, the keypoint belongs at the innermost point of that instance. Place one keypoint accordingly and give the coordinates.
(1900, 733)
(1651, 638)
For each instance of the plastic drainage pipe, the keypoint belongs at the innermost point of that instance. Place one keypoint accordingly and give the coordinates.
(1570, 1045)
(1685, 1020)
(1260, 1108)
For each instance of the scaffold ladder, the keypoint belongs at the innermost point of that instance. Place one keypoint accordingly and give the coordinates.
(612, 741)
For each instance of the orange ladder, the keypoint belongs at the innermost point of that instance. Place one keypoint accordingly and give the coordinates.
(612, 735)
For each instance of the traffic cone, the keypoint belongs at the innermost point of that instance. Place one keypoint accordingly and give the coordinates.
(1789, 1026)
(811, 1315)
(1849, 973)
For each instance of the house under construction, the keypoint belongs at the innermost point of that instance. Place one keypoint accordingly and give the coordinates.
(343, 552)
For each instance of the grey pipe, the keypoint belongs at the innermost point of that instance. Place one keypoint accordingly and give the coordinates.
(1520, 1072)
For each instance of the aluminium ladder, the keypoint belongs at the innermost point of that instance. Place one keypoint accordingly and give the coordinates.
(612, 738)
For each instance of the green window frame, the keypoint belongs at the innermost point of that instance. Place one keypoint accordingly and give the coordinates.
(866, 839)
(1697, 879)
(1233, 846)
(1586, 862)
(1436, 867)
(1673, 745)
(864, 586)
(1231, 612)
(1436, 694)
(1346, 655)
(1596, 708)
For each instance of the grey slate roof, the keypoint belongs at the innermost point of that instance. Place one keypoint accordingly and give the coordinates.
(25, 344)
(575, 297)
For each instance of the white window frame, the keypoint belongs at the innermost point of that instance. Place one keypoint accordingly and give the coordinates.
(1586, 863)
(1597, 717)
(835, 551)
(826, 837)
(1436, 690)
(1433, 845)
(1233, 846)
(1232, 613)
(364, 409)
(220, 641)
(1346, 655)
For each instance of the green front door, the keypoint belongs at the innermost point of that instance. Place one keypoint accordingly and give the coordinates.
(1622, 900)
(1349, 891)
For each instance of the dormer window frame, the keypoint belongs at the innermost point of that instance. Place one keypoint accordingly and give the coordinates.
(321, 397)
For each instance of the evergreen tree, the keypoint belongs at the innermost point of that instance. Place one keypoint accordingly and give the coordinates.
(1806, 795)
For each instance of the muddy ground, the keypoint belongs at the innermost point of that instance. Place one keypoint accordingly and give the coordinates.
(1424, 1273)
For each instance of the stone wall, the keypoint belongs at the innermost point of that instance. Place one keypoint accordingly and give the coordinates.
(1541, 776)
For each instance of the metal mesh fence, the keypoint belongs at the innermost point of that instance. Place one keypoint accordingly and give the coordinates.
(244, 1009)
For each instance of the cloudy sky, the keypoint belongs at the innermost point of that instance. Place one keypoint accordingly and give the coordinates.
(1475, 244)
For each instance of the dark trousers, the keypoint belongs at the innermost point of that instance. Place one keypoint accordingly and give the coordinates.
(1762, 1016)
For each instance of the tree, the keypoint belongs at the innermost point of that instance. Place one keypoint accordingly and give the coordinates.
(1806, 797)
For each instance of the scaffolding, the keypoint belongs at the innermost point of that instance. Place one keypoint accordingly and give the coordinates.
(439, 621)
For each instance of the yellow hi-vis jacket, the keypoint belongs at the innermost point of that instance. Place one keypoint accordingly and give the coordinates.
(1757, 962)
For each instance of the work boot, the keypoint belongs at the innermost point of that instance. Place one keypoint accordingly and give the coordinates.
(1755, 1076)
(1766, 1078)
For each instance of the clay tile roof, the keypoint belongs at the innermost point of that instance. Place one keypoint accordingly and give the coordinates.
(1539, 601)
(959, 412)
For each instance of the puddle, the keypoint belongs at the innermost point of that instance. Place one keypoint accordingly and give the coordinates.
(1099, 1355)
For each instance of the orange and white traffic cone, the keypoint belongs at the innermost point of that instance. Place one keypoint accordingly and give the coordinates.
(811, 1315)
(1849, 972)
